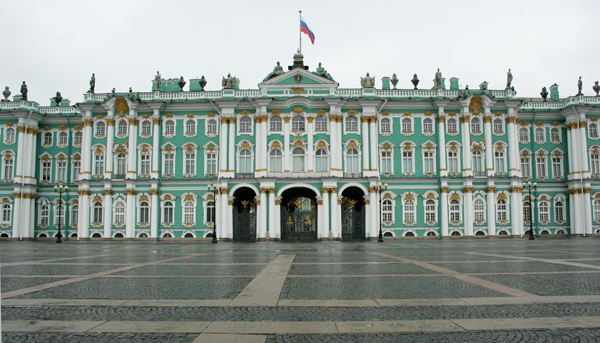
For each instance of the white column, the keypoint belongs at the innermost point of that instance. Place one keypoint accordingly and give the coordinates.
(260, 225)
(514, 210)
(444, 210)
(229, 216)
(335, 215)
(585, 170)
(27, 215)
(572, 211)
(231, 145)
(576, 221)
(513, 148)
(17, 219)
(33, 159)
(272, 218)
(311, 142)
(21, 155)
(519, 222)
(570, 149)
(333, 148)
(223, 145)
(258, 148)
(491, 209)
(366, 145)
(321, 234)
(286, 144)
(156, 145)
(441, 132)
(132, 150)
(466, 150)
(374, 206)
(131, 212)
(489, 158)
(262, 211)
(83, 225)
(468, 210)
(577, 153)
(374, 144)
(587, 204)
(367, 209)
(155, 221)
(110, 139)
(326, 232)
(107, 210)
(86, 147)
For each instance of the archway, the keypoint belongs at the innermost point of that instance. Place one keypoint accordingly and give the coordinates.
(298, 215)
(244, 215)
(353, 214)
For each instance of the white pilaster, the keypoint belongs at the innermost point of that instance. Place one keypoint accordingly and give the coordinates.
(311, 143)
(366, 145)
(132, 151)
(367, 209)
(335, 215)
(110, 139)
(326, 232)
(272, 218)
(107, 204)
(83, 224)
(262, 211)
(444, 209)
(286, 144)
(276, 232)
(223, 145)
(468, 208)
(155, 221)
(86, 148)
(585, 170)
(131, 211)
(441, 132)
(491, 208)
(374, 140)
(513, 144)
(156, 145)
(466, 144)
(587, 204)
(373, 226)
(514, 210)
(489, 158)
(17, 219)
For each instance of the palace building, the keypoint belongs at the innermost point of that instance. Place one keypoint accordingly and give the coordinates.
(300, 159)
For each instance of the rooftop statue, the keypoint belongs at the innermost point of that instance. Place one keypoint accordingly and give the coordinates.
(464, 93)
(438, 79)
(24, 91)
(92, 84)
(415, 80)
(322, 72)
(483, 86)
(367, 81)
(229, 82)
(544, 93)
(158, 81)
(394, 80)
(6, 93)
(58, 98)
(181, 83)
(596, 88)
(278, 70)
(579, 86)
(202, 83)
(509, 78)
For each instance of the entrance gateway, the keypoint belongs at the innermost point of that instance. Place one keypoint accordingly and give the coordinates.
(299, 215)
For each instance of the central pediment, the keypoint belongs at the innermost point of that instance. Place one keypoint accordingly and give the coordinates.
(298, 78)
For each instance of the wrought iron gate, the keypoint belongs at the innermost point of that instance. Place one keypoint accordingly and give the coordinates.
(299, 220)
(244, 222)
(353, 220)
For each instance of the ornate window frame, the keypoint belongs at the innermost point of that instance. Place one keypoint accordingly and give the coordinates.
(170, 199)
(211, 148)
(119, 199)
(409, 208)
(187, 149)
(119, 125)
(188, 202)
(428, 214)
(8, 155)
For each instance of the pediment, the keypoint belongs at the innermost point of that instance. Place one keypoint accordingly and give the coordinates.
(298, 78)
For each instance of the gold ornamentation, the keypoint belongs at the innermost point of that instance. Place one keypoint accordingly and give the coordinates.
(502, 196)
(444, 189)
(352, 144)
(468, 189)
(406, 114)
(490, 189)
(121, 105)
(298, 90)
(130, 192)
(455, 196)
(352, 112)
(539, 123)
(321, 112)
(298, 110)
(385, 113)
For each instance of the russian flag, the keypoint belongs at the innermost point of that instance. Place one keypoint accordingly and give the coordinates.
(304, 28)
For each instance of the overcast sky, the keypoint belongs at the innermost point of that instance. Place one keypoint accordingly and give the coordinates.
(57, 45)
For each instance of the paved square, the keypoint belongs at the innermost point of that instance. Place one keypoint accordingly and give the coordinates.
(464, 290)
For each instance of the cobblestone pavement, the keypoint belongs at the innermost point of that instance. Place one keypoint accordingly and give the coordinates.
(80, 289)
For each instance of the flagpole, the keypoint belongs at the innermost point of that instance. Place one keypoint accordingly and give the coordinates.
(300, 31)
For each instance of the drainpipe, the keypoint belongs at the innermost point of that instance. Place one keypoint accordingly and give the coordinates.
(23, 177)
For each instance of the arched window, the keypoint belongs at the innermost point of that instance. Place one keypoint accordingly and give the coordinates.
(352, 123)
(144, 212)
(559, 211)
(498, 126)
(9, 135)
(210, 211)
(428, 126)
(554, 135)
(168, 212)
(63, 139)
(146, 128)
(479, 210)
(119, 215)
(409, 211)
(169, 127)
(540, 137)
(44, 215)
(211, 127)
(275, 161)
(454, 211)
(524, 135)
(48, 138)
(298, 159)
(122, 127)
(321, 124)
(321, 161)
(387, 211)
(120, 165)
(407, 126)
(6, 213)
(245, 124)
(245, 161)
(352, 161)
(477, 161)
(597, 210)
(476, 125)
(527, 211)
(275, 124)
(188, 212)
(190, 127)
(77, 139)
(501, 210)
(298, 124)
(74, 215)
(430, 211)
(59, 215)
(100, 129)
(544, 213)
(386, 127)
(593, 130)
(452, 126)
(97, 215)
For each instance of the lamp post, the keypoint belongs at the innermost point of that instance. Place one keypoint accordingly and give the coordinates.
(380, 188)
(529, 186)
(214, 217)
(60, 190)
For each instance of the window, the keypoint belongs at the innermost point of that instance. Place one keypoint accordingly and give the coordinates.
(555, 135)
(557, 169)
(540, 137)
(499, 160)
(144, 212)
(321, 124)
(100, 129)
(245, 124)
(321, 161)
(476, 125)
(188, 212)
(211, 163)
(429, 161)
(524, 135)
(387, 211)
(595, 162)
(541, 166)
(168, 212)
(59, 215)
(544, 214)
(407, 126)
(430, 211)
(169, 128)
(477, 162)
(501, 211)
(211, 127)
(454, 211)
(146, 128)
(145, 164)
(78, 138)
(9, 135)
(120, 165)
(526, 165)
(46, 170)
(352, 161)
(44, 215)
(386, 127)
(245, 165)
(61, 170)
(98, 164)
(593, 130)
(352, 124)
(76, 170)
(190, 162)
(386, 161)
(409, 211)
(407, 162)
(210, 211)
(97, 215)
(169, 163)
(63, 139)
(122, 127)
(6, 213)
(74, 215)
(47, 138)
(498, 126)
(298, 160)
(453, 166)
(559, 212)
(276, 161)
(527, 211)
(298, 124)
(275, 124)
(190, 127)
(119, 214)
(597, 210)
(428, 126)
(452, 126)
(479, 210)
(8, 168)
